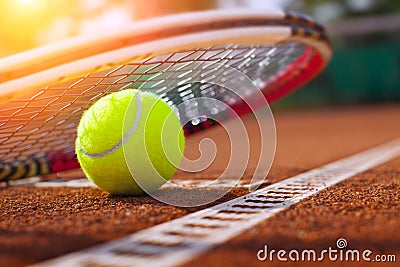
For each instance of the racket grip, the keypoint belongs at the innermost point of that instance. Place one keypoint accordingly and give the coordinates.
(40, 164)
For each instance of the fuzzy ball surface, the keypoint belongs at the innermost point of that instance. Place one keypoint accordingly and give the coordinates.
(129, 142)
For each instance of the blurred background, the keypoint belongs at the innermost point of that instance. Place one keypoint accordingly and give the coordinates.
(365, 68)
(365, 36)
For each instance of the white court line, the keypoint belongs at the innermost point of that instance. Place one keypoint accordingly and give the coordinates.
(38, 182)
(178, 241)
(190, 183)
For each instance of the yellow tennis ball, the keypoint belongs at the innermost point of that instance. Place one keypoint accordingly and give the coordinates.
(129, 142)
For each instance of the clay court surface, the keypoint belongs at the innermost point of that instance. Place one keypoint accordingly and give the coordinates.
(40, 223)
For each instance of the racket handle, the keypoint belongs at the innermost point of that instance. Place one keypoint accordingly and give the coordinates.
(41, 164)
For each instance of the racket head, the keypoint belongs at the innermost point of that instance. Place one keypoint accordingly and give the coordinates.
(44, 92)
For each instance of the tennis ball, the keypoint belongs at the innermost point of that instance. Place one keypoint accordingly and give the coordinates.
(129, 142)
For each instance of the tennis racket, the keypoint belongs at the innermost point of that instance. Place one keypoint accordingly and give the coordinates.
(43, 92)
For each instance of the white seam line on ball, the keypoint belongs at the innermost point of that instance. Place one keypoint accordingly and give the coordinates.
(178, 241)
(124, 139)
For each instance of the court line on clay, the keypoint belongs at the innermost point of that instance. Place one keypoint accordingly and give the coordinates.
(178, 241)
(186, 183)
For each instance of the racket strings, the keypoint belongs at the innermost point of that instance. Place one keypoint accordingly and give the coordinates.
(45, 121)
